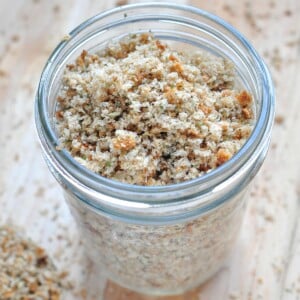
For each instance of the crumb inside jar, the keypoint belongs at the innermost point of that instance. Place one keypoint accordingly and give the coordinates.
(142, 113)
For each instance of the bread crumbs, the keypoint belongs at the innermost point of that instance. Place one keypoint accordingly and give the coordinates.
(26, 271)
(142, 113)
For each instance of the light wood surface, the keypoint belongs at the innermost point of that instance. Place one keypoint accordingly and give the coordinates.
(265, 264)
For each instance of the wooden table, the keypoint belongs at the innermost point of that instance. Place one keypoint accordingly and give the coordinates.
(266, 262)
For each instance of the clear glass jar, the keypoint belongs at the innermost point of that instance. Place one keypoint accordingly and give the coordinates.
(165, 239)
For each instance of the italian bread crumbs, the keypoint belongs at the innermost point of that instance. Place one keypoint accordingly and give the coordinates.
(142, 113)
(26, 272)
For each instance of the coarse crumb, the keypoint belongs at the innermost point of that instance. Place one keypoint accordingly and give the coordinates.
(56, 9)
(279, 119)
(121, 2)
(66, 37)
(142, 113)
(3, 73)
(26, 271)
(15, 38)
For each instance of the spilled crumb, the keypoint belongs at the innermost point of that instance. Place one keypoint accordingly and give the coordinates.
(229, 9)
(276, 59)
(20, 190)
(26, 271)
(15, 38)
(121, 2)
(279, 119)
(288, 13)
(56, 9)
(66, 37)
(251, 19)
(272, 4)
(234, 296)
(293, 43)
(40, 192)
(3, 73)
(260, 280)
(142, 113)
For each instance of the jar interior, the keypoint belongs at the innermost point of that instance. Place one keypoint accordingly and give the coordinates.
(178, 31)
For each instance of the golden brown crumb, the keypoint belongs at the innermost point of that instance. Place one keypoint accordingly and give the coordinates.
(222, 156)
(244, 98)
(260, 280)
(247, 113)
(124, 143)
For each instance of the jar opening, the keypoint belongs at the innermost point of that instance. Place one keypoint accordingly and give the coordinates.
(166, 21)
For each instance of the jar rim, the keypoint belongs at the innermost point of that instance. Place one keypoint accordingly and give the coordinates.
(65, 164)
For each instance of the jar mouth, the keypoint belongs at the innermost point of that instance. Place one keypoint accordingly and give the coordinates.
(75, 174)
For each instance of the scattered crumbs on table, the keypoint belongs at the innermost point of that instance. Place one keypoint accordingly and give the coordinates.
(26, 270)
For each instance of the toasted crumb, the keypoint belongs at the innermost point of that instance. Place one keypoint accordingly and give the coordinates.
(124, 143)
(142, 113)
(66, 37)
(279, 119)
(121, 2)
(3, 73)
(247, 113)
(244, 98)
(56, 9)
(260, 280)
(222, 156)
(15, 38)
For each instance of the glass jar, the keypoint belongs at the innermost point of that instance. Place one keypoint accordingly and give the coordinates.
(162, 239)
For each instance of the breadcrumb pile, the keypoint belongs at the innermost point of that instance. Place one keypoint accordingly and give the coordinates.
(142, 113)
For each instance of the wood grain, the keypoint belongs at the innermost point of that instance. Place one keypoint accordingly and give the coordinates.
(265, 263)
